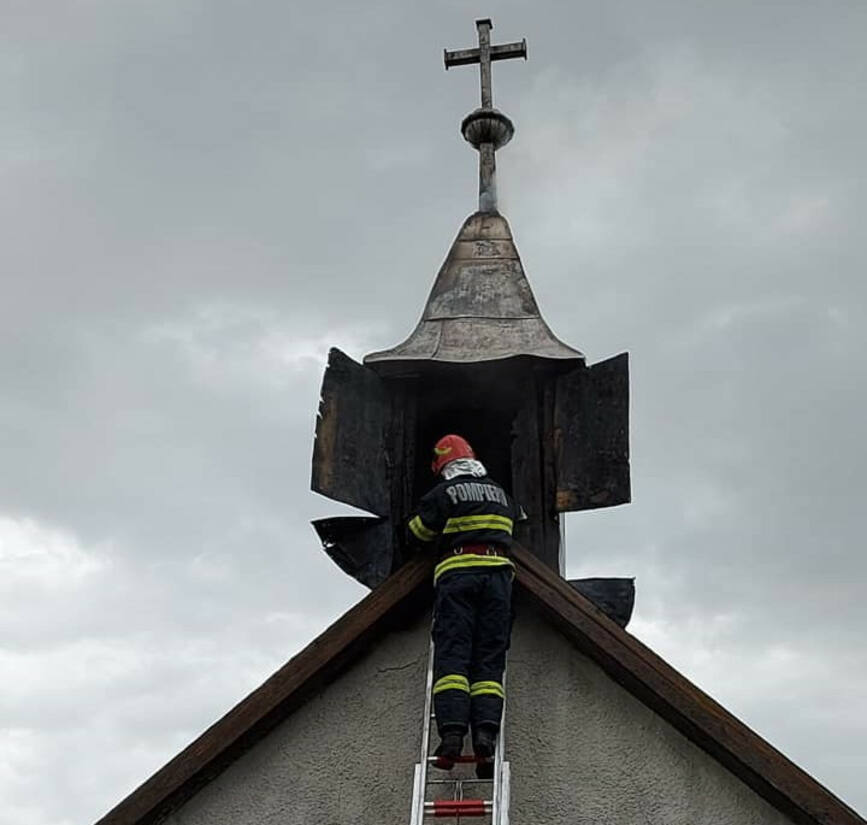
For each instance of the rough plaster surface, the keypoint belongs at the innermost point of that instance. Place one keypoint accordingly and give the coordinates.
(583, 751)
(344, 757)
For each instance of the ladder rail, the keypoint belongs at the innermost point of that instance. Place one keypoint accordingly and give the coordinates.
(421, 768)
(498, 764)
(503, 803)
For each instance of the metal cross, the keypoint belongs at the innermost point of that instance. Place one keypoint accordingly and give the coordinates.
(486, 128)
(483, 56)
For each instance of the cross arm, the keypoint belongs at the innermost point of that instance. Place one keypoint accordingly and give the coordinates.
(465, 57)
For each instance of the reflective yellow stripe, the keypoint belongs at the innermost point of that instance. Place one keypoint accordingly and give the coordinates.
(420, 531)
(452, 681)
(487, 689)
(462, 524)
(470, 560)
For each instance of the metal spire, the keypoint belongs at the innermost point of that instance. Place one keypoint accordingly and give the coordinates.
(486, 128)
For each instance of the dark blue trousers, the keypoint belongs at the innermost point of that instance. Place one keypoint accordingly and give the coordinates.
(471, 629)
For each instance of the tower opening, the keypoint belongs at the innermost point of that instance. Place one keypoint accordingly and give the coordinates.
(480, 405)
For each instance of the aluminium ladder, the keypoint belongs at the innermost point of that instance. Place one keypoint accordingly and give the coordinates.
(457, 805)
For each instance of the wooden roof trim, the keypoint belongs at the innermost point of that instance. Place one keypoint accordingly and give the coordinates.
(658, 685)
(312, 668)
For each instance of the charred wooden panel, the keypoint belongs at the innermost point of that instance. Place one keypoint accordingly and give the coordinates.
(360, 546)
(526, 474)
(591, 436)
(349, 462)
(614, 597)
(540, 530)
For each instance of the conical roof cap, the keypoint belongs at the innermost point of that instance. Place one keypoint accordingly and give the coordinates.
(481, 307)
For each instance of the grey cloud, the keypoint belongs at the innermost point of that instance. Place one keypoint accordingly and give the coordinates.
(200, 200)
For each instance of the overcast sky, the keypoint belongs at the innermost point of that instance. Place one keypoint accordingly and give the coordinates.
(198, 199)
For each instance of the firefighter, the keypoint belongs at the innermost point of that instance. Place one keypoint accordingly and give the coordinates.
(467, 518)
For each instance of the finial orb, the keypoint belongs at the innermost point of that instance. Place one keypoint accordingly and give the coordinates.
(487, 126)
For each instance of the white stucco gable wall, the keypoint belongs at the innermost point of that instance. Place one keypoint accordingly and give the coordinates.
(583, 750)
(344, 757)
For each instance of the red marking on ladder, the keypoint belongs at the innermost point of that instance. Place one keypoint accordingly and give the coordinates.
(459, 807)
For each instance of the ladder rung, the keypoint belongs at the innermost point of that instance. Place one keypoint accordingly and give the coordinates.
(464, 781)
(466, 758)
(458, 807)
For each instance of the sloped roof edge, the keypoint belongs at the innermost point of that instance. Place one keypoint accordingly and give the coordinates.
(689, 709)
(275, 699)
(630, 663)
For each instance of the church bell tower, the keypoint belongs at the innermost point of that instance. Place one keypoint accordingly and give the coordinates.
(483, 363)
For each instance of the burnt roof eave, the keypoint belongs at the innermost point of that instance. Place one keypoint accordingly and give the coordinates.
(474, 340)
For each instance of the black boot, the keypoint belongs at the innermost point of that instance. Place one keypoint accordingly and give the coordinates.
(484, 744)
(449, 750)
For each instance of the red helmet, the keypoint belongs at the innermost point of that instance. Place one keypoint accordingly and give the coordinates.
(450, 448)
